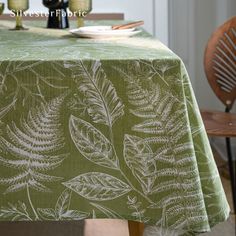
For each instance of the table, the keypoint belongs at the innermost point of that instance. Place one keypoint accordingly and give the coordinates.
(102, 129)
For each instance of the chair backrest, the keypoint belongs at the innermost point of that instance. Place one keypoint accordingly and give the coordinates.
(220, 62)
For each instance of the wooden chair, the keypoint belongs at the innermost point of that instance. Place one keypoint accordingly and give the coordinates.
(220, 69)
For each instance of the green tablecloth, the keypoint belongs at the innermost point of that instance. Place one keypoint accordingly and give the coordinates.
(102, 129)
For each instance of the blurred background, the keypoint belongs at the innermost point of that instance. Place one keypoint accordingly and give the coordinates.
(183, 25)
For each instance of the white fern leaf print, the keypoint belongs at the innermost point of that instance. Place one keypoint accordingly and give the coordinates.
(165, 130)
(175, 199)
(139, 158)
(97, 186)
(149, 127)
(33, 147)
(91, 143)
(104, 105)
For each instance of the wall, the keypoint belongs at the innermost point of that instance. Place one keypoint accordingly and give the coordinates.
(209, 15)
(206, 20)
(182, 32)
(191, 25)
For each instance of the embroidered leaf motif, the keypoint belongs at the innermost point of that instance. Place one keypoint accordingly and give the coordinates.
(97, 186)
(139, 158)
(104, 106)
(33, 147)
(91, 143)
(62, 211)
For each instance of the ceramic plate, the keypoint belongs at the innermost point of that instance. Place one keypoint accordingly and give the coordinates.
(103, 32)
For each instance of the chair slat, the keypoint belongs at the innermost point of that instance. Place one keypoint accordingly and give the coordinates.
(220, 62)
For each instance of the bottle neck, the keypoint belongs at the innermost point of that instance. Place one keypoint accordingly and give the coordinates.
(58, 18)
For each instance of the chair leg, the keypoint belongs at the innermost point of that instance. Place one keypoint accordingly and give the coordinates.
(135, 228)
(232, 171)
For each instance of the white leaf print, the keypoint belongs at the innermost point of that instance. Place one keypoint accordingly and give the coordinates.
(29, 91)
(137, 211)
(91, 143)
(32, 147)
(47, 214)
(173, 199)
(104, 106)
(98, 186)
(63, 203)
(139, 158)
(74, 215)
(108, 212)
(15, 212)
(62, 211)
